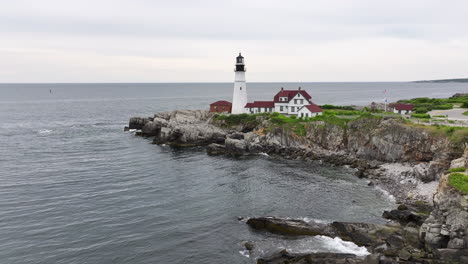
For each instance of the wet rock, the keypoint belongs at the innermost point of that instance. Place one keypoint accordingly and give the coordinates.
(249, 245)
(362, 234)
(289, 227)
(216, 149)
(235, 146)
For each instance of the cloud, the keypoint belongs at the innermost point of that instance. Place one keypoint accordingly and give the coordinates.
(142, 40)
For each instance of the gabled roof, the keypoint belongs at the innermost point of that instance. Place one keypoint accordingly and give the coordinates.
(267, 104)
(313, 108)
(221, 103)
(403, 106)
(290, 94)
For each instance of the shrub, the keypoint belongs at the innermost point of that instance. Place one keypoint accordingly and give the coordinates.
(443, 106)
(456, 170)
(459, 181)
(421, 110)
(465, 113)
(342, 112)
(420, 115)
(329, 106)
(233, 120)
(464, 105)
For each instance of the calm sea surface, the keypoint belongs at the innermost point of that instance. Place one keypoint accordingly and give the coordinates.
(75, 188)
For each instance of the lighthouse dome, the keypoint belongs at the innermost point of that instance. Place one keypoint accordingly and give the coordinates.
(239, 58)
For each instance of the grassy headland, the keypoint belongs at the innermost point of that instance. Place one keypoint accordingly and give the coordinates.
(338, 117)
(424, 104)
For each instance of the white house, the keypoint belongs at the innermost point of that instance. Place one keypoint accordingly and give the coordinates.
(286, 102)
(403, 109)
(309, 111)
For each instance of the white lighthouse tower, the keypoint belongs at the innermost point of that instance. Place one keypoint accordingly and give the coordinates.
(239, 97)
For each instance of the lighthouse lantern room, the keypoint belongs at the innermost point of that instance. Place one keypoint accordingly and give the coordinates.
(239, 97)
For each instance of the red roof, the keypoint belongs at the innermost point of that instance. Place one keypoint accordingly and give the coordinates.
(221, 103)
(290, 94)
(403, 106)
(313, 108)
(267, 104)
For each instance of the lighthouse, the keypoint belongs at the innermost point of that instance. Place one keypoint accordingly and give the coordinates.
(239, 96)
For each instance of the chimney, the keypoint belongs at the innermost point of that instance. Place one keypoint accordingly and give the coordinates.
(299, 88)
(282, 88)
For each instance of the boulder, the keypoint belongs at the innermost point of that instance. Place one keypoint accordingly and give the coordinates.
(137, 122)
(216, 149)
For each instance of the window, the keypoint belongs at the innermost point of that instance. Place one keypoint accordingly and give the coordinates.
(302, 114)
(241, 88)
(301, 101)
(281, 108)
(295, 101)
(307, 115)
(292, 108)
(259, 110)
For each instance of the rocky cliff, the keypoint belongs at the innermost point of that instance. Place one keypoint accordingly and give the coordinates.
(445, 232)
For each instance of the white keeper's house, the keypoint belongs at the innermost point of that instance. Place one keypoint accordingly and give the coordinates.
(287, 102)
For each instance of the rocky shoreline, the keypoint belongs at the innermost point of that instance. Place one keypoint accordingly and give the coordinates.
(405, 161)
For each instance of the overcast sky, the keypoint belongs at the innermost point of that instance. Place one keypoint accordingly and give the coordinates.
(197, 41)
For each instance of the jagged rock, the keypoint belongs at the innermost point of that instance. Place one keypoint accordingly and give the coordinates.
(236, 135)
(404, 216)
(137, 122)
(315, 258)
(404, 254)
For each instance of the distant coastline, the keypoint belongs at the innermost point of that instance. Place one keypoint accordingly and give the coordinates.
(459, 80)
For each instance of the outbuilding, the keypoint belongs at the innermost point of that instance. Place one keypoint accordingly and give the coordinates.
(402, 109)
(221, 106)
(310, 110)
(260, 107)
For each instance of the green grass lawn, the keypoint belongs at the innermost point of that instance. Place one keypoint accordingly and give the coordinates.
(459, 181)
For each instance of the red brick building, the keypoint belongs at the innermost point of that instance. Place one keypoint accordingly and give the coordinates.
(221, 106)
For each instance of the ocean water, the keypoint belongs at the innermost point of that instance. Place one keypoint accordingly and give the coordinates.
(75, 188)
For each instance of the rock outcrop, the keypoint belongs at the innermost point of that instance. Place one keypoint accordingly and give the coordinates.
(386, 243)
(445, 232)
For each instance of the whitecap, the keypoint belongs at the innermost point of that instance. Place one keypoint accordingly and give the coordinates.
(338, 245)
(245, 253)
(44, 131)
(263, 154)
(314, 220)
(387, 195)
